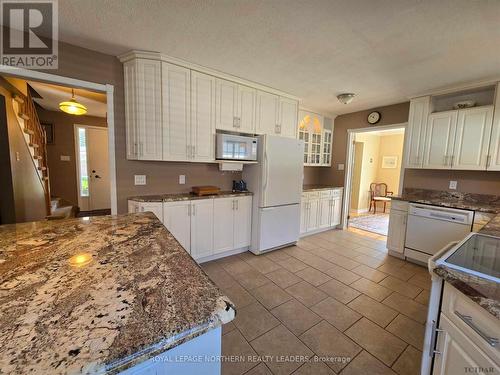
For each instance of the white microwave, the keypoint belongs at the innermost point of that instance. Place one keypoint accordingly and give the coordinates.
(236, 147)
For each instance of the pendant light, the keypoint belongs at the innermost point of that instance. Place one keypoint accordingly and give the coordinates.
(72, 106)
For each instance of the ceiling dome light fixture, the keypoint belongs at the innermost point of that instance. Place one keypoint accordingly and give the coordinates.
(346, 98)
(72, 106)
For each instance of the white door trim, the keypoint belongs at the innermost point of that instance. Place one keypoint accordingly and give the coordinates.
(77, 159)
(349, 164)
(77, 83)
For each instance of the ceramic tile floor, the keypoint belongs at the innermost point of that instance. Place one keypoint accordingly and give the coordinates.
(336, 294)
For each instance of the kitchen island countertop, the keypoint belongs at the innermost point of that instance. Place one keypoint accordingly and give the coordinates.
(99, 294)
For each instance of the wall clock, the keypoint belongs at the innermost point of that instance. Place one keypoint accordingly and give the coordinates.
(374, 117)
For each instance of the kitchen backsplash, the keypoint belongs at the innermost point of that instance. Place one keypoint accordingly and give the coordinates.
(478, 182)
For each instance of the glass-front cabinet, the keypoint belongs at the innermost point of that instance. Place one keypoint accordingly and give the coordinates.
(317, 140)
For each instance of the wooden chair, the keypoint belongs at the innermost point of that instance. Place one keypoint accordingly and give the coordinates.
(378, 193)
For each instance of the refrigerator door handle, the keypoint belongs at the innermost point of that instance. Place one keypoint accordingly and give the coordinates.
(266, 171)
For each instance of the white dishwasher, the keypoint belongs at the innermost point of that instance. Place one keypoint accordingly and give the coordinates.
(430, 228)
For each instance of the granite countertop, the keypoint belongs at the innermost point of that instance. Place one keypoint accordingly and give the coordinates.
(187, 196)
(140, 294)
(467, 201)
(313, 187)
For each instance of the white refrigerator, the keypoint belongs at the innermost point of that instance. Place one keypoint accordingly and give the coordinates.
(276, 182)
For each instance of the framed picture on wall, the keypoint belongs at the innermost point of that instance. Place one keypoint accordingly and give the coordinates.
(389, 162)
(49, 132)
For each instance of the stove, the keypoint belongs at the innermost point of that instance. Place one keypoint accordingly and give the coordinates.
(478, 254)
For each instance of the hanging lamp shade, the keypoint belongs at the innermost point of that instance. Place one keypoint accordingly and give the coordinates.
(72, 106)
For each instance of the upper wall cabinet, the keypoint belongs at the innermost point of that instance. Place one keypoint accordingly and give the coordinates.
(467, 138)
(417, 121)
(143, 109)
(235, 107)
(317, 139)
(172, 108)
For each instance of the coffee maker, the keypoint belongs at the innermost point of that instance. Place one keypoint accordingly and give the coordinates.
(239, 185)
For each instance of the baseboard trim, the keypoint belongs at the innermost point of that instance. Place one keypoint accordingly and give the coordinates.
(319, 231)
(222, 255)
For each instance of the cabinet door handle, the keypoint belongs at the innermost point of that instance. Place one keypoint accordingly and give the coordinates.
(492, 341)
(434, 332)
(452, 159)
(237, 204)
(233, 204)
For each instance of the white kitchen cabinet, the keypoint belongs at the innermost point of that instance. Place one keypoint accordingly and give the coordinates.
(287, 120)
(232, 223)
(494, 149)
(335, 211)
(143, 109)
(439, 140)
(235, 106)
(397, 231)
(313, 214)
(226, 105)
(327, 148)
(457, 351)
(177, 219)
(472, 138)
(176, 112)
(325, 212)
(242, 222)
(267, 113)
(415, 131)
(223, 224)
(303, 214)
(311, 130)
(247, 98)
(133, 206)
(202, 228)
(202, 117)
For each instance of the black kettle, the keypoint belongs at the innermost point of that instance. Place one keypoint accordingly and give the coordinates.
(239, 185)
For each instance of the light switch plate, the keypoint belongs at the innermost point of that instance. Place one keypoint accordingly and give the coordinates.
(182, 179)
(139, 179)
(453, 185)
(65, 158)
(340, 167)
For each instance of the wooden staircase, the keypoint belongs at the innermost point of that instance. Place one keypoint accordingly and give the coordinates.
(35, 138)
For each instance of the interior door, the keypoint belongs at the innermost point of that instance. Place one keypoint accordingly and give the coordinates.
(267, 113)
(93, 168)
(202, 116)
(473, 138)
(283, 171)
(176, 112)
(439, 140)
(177, 220)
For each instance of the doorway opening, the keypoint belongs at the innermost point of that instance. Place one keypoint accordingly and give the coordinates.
(374, 173)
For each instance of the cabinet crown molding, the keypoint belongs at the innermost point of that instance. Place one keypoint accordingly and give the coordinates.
(151, 55)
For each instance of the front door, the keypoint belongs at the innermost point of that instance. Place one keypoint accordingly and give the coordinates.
(92, 168)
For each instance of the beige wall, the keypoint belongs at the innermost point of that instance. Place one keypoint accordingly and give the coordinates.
(477, 182)
(392, 114)
(312, 175)
(63, 173)
(162, 177)
(390, 145)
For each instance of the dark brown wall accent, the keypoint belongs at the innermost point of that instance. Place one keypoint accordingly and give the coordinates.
(27, 190)
(391, 114)
(162, 177)
(63, 173)
(478, 182)
(312, 175)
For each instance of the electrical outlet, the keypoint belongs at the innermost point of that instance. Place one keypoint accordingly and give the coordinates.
(453, 185)
(340, 167)
(139, 179)
(182, 179)
(65, 158)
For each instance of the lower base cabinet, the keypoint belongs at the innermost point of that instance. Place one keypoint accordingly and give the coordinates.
(320, 210)
(204, 227)
(396, 233)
